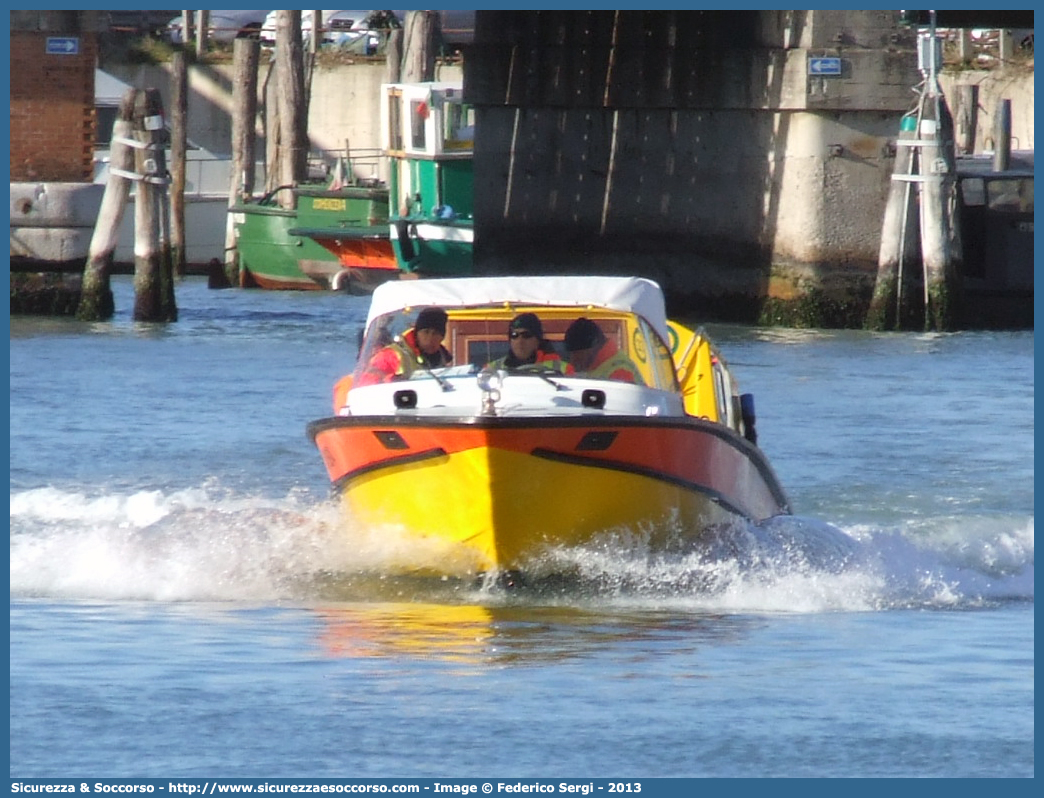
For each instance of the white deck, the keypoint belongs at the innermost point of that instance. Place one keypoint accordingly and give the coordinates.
(518, 394)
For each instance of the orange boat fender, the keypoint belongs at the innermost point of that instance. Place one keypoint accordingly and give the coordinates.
(340, 392)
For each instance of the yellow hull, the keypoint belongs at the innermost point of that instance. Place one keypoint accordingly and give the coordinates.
(485, 509)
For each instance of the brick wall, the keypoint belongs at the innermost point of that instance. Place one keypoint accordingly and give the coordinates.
(52, 108)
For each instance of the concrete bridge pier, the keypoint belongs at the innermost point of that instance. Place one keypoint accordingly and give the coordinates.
(741, 158)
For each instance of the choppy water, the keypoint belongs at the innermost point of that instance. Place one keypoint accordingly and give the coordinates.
(186, 602)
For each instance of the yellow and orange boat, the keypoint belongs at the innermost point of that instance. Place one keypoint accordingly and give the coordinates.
(485, 470)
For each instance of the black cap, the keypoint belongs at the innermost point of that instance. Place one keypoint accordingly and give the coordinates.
(528, 322)
(583, 334)
(431, 319)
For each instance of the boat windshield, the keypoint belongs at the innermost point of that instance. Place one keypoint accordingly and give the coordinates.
(384, 331)
(478, 337)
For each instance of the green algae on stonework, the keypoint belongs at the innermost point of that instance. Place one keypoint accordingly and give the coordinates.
(815, 309)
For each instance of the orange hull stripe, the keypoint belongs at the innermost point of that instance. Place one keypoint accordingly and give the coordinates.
(362, 253)
(686, 455)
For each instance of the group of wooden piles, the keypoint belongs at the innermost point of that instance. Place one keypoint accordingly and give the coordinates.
(921, 252)
(138, 156)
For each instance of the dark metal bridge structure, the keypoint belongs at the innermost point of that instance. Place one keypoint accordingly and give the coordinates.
(671, 144)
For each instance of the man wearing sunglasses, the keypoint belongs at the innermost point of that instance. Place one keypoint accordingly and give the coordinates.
(529, 349)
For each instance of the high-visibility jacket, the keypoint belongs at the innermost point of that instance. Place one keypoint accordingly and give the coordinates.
(399, 359)
(544, 360)
(610, 364)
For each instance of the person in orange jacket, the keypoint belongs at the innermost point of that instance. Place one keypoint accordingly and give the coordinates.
(591, 354)
(419, 347)
(529, 348)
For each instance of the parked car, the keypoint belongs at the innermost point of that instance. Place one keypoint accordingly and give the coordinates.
(361, 30)
(224, 26)
(337, 26)
(149, 21)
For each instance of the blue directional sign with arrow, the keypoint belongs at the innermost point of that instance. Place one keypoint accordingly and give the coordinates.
(824, 66)
(63, 45)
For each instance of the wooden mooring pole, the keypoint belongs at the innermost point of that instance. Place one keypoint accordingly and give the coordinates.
(393, 56)
(926, 159)
(187, 26)
(293, 123)
(96, 302)
(967, 118)
(245, 58)
(900, 242)
(941, 249)
(178, 148)
(418, 54)
(1002, 136)
(153, 272)
(202, 34)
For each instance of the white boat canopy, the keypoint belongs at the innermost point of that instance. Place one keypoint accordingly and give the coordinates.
(629, 294)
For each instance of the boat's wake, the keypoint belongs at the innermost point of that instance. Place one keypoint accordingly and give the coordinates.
(198, 544)
(208, 544)
(794, 564)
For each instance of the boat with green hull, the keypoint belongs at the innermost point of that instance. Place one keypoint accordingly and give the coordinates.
(287, 248)
(359, 234)
(428, 136)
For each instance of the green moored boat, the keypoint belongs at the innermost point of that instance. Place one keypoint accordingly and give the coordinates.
(300, 248)
(358, 235)
(428, 133)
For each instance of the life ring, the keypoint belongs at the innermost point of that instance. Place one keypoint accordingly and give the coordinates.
(341, 280)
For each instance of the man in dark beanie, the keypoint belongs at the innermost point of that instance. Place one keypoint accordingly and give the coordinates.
(420, 347)
(432, 319)
(583, 335)
(591, 354)
(528, 347)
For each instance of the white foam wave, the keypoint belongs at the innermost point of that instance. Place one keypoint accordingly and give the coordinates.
(50, 505)
(953, 561)
(148, 545)
(211, 544)
(802, 565)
